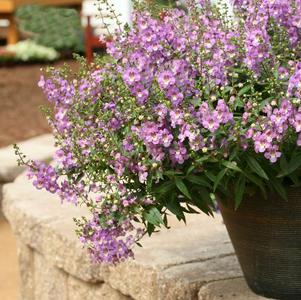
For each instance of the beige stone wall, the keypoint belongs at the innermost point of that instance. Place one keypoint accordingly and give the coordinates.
(41, 280)
(173, 264)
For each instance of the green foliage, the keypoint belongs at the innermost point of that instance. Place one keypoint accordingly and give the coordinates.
(59, 28)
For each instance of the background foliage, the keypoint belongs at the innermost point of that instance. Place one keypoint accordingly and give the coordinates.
(59, 28)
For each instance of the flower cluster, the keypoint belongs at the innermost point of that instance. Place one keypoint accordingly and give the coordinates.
(190, 106)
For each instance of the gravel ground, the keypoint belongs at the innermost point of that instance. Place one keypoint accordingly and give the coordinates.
(20, 101)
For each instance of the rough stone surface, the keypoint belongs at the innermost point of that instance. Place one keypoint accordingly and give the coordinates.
(40, 148)
(184, 281)
(50, 282)
(173, 264)
(231, 289)
(79, 290)
(26, 267)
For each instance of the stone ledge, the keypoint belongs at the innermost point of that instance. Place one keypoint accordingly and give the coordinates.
(230, 289)
(40, 148)
(173, 264)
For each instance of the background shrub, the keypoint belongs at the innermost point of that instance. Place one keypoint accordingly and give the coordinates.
(59, 28)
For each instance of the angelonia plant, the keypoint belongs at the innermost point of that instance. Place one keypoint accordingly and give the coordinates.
(192, 106)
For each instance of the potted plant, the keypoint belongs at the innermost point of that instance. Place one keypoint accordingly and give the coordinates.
(194, 111)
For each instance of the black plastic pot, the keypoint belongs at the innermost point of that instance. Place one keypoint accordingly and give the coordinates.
(266, 235)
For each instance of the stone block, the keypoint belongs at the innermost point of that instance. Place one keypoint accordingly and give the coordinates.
(26, 267)
(79, 290)
(50, 282)
(230, 289)
(138, 281)
(184, 281)
(173, 263)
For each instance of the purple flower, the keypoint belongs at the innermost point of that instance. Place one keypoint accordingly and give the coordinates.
(166, 138)
(222, 112)
(260, 143)
(131, 76)
(142, 173)
(273, 153)
(178, 153)
(166, 79)
(210, 122)
(176, 117)
(175, 96)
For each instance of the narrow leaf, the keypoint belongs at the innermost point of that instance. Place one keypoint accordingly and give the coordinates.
(210, 175)
(239, 190)
(164, 187)
(293, 165)
(182, 187)
(150, 228)
(244, 90)
(255, 167)
(218, 179)
(283, 163)
(173, 205)
(278, 187)
(153, 216)
(202, 199)
(190, 169)
(172, 173)
(231, 165)
(199, 180)
(257, 181)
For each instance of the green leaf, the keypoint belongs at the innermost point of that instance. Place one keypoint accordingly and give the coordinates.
(218, 179)
(210, 175)
(265, 102)
(244, 90)
(153, 216)
(182, 187)
(234, 153)
(239, 190)
(150, 228)
(283, 163)
(293, 165)
(238, 70)
(278, 187)
(172, 173)
(165, 221)
(231, 165)
(203, 158)
(190, 169)
(164, 188)
(201, 199)
(257, 181)
(255, 167)
(199, 180)
(191, 210)
(295, 179)
(173, 205)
